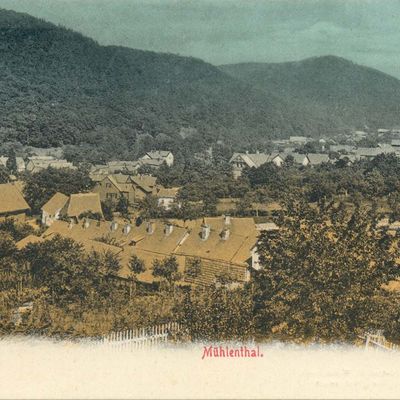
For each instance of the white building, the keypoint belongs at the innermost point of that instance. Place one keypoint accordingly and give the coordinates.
(158, 157)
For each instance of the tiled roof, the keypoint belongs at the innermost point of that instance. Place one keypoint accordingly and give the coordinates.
(30, 239)
(11, 199)
(183, 240)
(83, 202)
(316, 159)
(167, 192)
(57, 202)
(236, 248)
(158, 154)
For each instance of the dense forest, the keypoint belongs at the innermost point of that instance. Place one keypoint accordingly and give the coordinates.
(58, 88)
(333, 87)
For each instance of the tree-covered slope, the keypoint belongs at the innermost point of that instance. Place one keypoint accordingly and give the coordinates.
(59, 87)
(351, 94)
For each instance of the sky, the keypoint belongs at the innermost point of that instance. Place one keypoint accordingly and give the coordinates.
(232, 31)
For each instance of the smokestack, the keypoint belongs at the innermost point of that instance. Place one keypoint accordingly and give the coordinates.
(205, 231)
(127, 228)
(150, 227)
(227, 219)
(168, 229)
(225, 234)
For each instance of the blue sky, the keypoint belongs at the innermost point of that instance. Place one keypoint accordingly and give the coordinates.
(228, 31)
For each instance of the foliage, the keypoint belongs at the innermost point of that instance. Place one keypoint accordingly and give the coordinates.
(322, 274)
(327, 85)
(11, 163)
(16, 229)
(4, 175)
(41, 186)
(217, 314)
(136, 265)
(166, 269)
(193, 267)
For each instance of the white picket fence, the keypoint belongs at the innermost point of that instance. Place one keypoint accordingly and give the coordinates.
(377, 340)
(134, 339)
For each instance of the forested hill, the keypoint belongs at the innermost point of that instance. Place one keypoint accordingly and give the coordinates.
(330, 86)
(59, 87)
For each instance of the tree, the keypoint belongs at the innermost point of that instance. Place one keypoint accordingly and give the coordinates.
(322, 275)
(193, 268)
(11, 163)
(41, 186)
(149, 207)
(58, 265)
(136, 265)
(218, 314)
(166, 269)
(16, 229)
(123, 206)
(4, 175)
(107, 208)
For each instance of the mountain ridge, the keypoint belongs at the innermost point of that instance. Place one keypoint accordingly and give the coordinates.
(335, 86)
(58, 87)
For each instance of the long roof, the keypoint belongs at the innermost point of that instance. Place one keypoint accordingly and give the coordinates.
(184, 240)
(83, 202)
(318, 158)
(236, 249)
(57, 202)
(11, 199)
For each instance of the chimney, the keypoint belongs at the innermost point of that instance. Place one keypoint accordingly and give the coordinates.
(126, 229)
(205, 231)
(150, 228)
(225, 234)
(114, 226)
(168, 229)
(86, 224)
(227, 219)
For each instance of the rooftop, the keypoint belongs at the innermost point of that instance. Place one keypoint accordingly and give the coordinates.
(11, 199)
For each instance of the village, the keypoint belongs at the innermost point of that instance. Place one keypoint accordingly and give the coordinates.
(223, 245)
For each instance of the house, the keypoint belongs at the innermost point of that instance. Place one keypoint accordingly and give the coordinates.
(341, 148)
(157, 158)
(300, 159)
(368, 153)
(73, 207)
(132, 187)
(12, 203)
(317, 158)
(166, 197)
(39, 163)
(239, 161)
(51, 211)
(221, 245)
(20, 163)
(82, 203)
(299, 140)
(396, 143)
(123, 167)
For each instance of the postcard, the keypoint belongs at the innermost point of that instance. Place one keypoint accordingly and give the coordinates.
(199, 199)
